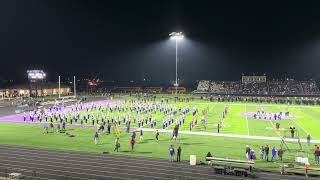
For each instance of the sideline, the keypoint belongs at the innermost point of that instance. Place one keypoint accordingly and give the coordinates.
(232, 135)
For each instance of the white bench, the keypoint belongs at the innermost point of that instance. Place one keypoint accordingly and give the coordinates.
(15, 175)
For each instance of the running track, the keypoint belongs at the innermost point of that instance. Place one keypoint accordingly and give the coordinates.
(50, 164)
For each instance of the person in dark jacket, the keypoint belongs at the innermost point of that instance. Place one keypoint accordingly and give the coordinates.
(280, 154)
(157, 135)
(248, 149)
(266, 151)
(308, 140)
(109, 128)
(317, 155)
(132, 142)
(179, 150)
(96, 138)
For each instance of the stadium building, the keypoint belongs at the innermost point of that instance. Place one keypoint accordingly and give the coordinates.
(43, 89)
(2, 93)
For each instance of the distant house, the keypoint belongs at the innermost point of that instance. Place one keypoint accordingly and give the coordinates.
(41, 89)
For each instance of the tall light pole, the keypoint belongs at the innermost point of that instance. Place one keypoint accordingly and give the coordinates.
(177, 36)
(74, 86)
(59, 92)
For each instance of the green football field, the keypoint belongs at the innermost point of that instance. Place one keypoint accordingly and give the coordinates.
(305, 120)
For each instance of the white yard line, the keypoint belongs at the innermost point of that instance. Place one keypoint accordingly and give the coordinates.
(301, 127)
(298, 123)
(256, 104)
(231, 135)
(311, 117)
(247, 121)
(274, 127)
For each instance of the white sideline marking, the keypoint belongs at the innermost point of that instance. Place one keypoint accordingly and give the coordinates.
(256, 104)
(232, 135)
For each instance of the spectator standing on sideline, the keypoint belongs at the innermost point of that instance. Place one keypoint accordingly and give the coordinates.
(266, 151)
(116, 145)
(96, 138)
(274, 153)
(314, 151)
(132, 142)
(179, 150)
(280, 154)
(157, 135)
(109, 128)
(141, 135)
(308, 140)
(247, 151)
(261, 152)
(133, 136)
(252, 155)
(171, 153)
(316, 155)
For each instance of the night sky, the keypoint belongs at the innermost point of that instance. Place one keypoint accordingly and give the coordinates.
(128, 40)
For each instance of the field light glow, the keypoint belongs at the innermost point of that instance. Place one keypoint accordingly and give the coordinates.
(176, 35)
(36, 74)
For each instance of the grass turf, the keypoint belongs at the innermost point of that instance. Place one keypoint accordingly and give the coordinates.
(306, 122)
(32, 136)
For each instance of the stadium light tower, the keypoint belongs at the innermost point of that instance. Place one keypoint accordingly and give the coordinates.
(36, 76)
(177, 36)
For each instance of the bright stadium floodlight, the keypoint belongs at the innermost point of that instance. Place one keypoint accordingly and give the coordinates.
(36, 74)
(177, 36)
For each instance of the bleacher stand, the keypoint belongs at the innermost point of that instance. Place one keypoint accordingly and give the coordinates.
(268, 88)
(203, 86)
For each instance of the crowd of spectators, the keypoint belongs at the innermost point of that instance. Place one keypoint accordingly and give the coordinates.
(272, 88)
(203, 86)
